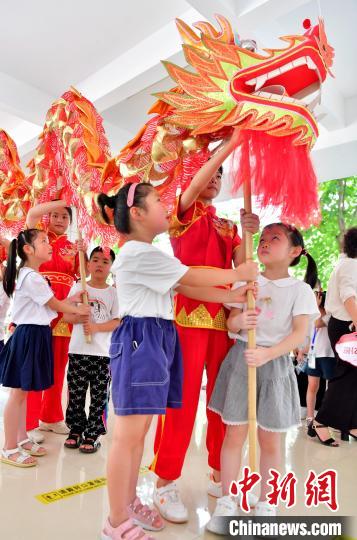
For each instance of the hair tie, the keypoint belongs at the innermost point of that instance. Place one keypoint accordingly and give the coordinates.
(304, 252)
(131, 194)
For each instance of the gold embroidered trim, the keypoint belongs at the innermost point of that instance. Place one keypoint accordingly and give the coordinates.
(61, 329)
(201, 318)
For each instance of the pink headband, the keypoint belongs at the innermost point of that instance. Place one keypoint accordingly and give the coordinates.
(131, 194)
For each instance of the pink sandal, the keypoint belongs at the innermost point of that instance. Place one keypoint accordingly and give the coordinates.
(145, 517)
(126, 531)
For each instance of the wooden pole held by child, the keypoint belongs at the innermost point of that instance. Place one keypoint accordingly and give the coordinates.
(252, 371)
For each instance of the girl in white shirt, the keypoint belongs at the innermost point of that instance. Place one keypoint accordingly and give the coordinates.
(145, 355)
(26, 362)
(285, 307)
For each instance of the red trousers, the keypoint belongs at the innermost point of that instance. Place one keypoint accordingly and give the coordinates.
(47, 405)
(200, 348)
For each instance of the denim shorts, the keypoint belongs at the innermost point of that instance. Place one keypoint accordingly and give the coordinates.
(325, 368)
(146, 366)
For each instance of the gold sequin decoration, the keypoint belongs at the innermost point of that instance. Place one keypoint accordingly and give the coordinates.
(201, 318)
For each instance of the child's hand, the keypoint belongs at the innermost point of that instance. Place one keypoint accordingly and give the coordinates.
(82, 309)
(89, 327)
(240, 295)
(249, 222)
(247, 320)
(247, 271)
(257, 357)
(80, 245)
(76, 298)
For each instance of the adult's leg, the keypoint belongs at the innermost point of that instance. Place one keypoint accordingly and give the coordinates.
(312, 389)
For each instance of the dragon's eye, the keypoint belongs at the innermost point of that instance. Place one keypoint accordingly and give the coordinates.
(249, 44)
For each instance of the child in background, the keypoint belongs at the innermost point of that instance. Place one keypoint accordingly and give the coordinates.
(4, 306)
(89, 362)
(285, 306)
(145, 355)
(26, 362)
(321, 360)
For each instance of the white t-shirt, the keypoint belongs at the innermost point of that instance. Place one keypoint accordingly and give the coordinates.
(279, 300)
(32, 292)
(322, 345)
(104, 308)
(144, 278)
(342, 285)
(4, 306)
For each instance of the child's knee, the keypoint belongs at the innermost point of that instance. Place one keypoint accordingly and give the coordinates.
(236, 435)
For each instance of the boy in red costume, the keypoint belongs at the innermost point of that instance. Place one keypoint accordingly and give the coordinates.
(199, 238)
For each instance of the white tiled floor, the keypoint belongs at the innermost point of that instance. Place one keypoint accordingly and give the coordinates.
(23, 517)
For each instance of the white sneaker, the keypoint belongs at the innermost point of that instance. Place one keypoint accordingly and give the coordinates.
(56, 427)
(35, 436)
(168, 501)
(225, 507)
(263, 508)
(252, 500)
(214, 488)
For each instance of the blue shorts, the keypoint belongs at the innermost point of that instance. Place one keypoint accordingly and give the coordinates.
(325, 368)
(146, 366)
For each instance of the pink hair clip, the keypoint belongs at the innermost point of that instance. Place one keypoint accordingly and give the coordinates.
(131, 194)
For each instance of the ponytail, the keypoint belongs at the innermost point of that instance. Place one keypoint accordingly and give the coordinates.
(119, 203)
(10, 270)
(311, 270)
(296, 239)
(16, 249)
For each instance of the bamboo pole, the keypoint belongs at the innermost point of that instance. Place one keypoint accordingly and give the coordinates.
(252, 371)
(83, 274)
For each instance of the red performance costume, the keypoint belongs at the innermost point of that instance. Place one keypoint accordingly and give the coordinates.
(61, 271)
(199, 238)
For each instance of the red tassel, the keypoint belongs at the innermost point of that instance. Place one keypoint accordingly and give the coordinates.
(281, 173)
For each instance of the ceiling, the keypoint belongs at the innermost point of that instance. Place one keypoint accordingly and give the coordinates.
(111, 52)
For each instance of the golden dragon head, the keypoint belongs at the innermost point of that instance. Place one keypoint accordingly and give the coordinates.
(229, 84)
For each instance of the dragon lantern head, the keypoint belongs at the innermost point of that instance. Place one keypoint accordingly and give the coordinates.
(233, 86)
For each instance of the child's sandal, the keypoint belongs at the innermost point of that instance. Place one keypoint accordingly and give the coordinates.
(125, 531)
(145, 517)
(22, 460)
(91, 443)
(73, 441)
(34, 449)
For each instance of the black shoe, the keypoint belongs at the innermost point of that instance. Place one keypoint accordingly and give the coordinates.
(313, 433)
(345, 436)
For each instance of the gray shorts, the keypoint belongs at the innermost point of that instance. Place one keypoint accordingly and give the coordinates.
(278, 403)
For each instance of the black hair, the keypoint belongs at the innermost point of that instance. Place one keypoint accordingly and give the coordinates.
(16, 249)
(350, 243)
(220, 169)
(68, 208)
(119, 204)
(296, 239)
(99, 249)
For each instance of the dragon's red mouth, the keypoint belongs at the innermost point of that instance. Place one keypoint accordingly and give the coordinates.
(295, 80)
